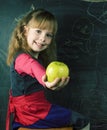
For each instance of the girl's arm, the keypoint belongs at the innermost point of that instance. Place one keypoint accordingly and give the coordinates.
(25, 64)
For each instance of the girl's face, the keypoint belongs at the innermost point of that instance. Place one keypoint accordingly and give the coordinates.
(38, 39)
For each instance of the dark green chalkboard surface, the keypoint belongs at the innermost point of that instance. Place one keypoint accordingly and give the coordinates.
(81, 43)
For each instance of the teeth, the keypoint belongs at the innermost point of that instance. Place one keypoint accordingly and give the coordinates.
(39, 44)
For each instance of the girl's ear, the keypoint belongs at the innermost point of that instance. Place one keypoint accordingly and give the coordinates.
(25, 30)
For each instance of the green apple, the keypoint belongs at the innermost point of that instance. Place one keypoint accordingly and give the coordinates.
(56, 69)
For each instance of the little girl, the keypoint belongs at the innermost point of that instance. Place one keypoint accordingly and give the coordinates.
(32, 47)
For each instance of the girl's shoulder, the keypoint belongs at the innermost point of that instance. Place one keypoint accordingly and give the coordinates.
(22, 54)
(25, 57)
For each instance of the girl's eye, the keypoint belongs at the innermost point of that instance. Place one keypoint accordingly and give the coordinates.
(38, 31)
(50, 35)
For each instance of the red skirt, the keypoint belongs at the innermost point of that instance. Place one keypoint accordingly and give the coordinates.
(28, 109)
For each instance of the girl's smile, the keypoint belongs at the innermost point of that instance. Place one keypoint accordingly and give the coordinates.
(38, 44)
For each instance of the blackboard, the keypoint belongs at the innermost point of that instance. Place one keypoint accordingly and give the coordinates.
(81, 42)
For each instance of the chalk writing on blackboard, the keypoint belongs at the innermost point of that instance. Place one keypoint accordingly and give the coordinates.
(98, 11)
(84, 37)
(87, 35)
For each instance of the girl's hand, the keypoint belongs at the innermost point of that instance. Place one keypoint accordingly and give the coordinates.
(57, 84)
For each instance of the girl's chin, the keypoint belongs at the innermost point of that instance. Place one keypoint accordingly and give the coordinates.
(37, 50)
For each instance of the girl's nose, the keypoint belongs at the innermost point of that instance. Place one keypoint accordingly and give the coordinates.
(42, 38)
